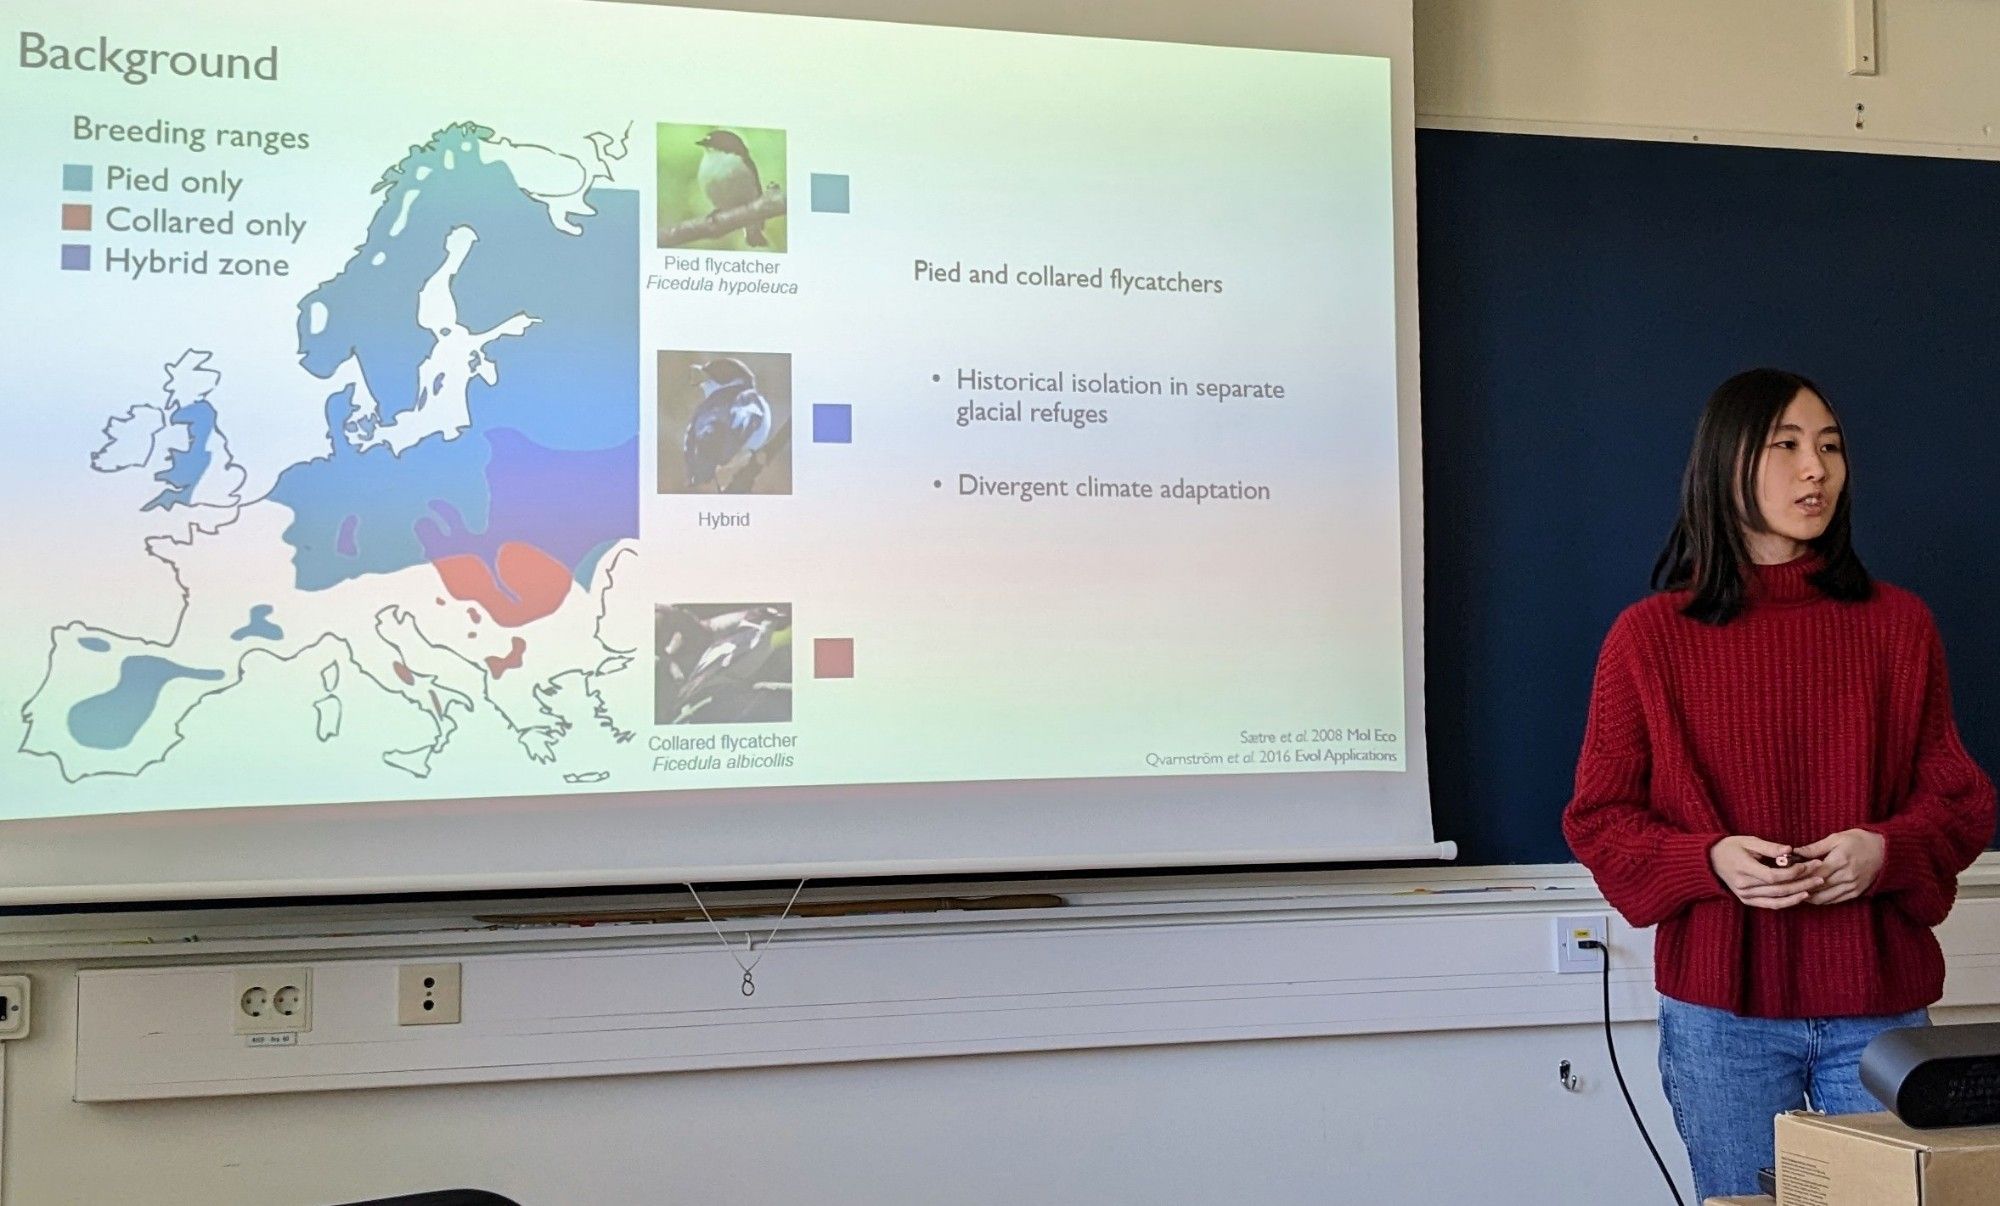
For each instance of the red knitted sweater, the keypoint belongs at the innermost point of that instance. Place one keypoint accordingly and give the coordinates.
(1800, 718)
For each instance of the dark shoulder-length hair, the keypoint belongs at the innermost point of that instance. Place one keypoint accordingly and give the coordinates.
(1706, 554)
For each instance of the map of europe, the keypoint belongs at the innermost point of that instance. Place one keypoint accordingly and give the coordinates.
(453, 547)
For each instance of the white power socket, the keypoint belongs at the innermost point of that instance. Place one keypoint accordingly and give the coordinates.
(272, 1000)
(1572, 929)
(427, 994)
(13, 1007)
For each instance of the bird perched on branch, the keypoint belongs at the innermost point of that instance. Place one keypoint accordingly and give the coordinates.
(731, 422)
(733, 667)
(729, 178)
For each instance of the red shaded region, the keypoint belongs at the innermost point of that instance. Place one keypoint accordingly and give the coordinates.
(531, 583)
(497, 666)
(403, 672)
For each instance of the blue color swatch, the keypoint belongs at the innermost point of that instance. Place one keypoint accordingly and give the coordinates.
(833, 423)
(76, 177)
(76, 257)
(829, 194)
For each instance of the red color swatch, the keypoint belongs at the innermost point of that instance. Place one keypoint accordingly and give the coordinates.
(833, 657)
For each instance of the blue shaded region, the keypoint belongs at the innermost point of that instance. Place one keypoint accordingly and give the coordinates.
(95, 644)
(110, 721)
(373, 499)
(259, 626)
(567, 387)
(587, 565)
(184, 468)
(571, 381)
(597, 505)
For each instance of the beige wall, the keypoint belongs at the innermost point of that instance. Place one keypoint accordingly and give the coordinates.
(1759, 72)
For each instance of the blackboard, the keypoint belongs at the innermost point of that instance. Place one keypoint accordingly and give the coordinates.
(1580, 300)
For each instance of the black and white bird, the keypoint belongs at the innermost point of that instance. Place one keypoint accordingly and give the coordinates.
(733, 667)
(728, 176)
(731, 422)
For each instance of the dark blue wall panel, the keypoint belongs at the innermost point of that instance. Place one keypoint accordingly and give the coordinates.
(1580, 299)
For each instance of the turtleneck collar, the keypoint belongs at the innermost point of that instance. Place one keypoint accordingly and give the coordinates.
(1786, 584)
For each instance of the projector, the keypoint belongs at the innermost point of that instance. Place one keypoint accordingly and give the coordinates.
(1936, 1076)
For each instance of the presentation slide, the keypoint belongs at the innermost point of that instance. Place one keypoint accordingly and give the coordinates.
(447, 402)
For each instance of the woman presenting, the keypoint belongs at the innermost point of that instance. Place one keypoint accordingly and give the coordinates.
(1771, 775)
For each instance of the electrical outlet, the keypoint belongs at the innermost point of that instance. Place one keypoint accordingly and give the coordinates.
(1576, 928)
(272, 1000)
(427, 994)
(13, 1007)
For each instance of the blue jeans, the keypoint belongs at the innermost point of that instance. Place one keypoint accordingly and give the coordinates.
(1727, 1077)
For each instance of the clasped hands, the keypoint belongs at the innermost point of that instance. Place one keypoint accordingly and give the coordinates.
(1836, 868)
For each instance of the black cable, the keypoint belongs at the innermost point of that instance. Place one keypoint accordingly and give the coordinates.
(1605, 951)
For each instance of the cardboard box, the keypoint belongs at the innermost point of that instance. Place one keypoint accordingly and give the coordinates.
(1874, 1160)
